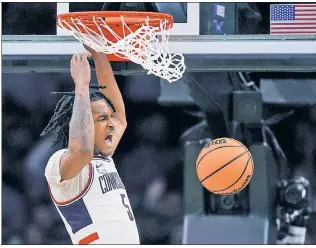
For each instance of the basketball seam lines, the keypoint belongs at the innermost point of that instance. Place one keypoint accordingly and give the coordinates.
(236, 180)
(212, 151)
(214, 172)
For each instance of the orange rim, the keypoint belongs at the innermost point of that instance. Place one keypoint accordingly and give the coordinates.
(113, 18)
(132, 19)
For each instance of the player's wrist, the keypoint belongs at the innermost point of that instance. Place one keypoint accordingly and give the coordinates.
(82, 84)
(99, 56)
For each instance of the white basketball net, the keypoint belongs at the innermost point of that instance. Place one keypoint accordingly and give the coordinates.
(142, 47)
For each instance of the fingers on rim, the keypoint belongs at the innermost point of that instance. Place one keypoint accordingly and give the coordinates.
(80, 57)
(75, 58)
(86, 55)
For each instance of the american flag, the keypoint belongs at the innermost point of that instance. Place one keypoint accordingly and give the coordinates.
(293, 19)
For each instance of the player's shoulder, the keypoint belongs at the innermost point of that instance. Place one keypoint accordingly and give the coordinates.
(57, 155)
(52, 166)
(55, 158)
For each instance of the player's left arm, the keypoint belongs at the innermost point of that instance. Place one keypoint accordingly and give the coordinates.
(106, 77)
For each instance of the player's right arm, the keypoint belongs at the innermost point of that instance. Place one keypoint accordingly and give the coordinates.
(81, 126)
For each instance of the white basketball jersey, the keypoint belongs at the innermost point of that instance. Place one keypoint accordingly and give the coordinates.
(101, 213)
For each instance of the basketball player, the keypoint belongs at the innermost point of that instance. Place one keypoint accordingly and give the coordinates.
(83, 181)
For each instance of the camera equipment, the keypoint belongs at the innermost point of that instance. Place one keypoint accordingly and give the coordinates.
(294, 210)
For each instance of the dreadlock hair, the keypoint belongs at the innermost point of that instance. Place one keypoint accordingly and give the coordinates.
(63, 112)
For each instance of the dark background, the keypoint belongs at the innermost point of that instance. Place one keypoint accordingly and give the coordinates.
(40, 18)
(149, 157)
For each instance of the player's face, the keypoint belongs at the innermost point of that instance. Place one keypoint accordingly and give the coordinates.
(104, 126)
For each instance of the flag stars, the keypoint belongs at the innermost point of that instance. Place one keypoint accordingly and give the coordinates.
(283, 12)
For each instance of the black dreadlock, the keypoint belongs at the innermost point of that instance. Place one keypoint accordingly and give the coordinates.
(63, 111)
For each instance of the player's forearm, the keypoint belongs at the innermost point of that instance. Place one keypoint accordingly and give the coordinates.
(81, 129)
(106, 77)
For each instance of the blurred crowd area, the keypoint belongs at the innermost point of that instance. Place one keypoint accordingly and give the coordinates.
(149, 157)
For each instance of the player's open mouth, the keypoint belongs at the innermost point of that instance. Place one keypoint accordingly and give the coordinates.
(108, 139)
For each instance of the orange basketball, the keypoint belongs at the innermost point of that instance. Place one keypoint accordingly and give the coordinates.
(224, 166)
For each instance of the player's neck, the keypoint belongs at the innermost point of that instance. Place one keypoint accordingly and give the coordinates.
(99, 154)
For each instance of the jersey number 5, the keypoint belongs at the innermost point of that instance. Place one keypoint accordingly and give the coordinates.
(129, 212)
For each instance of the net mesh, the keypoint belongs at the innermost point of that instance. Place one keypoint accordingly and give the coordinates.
(146, 46)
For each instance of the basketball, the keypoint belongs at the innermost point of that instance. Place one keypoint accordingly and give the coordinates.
(224, 166)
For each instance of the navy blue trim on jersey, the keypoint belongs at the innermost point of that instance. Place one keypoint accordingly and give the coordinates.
(75, 211)
(76, 215)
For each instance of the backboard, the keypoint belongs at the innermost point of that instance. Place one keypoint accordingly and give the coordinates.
(227, 36)
(186, 15)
